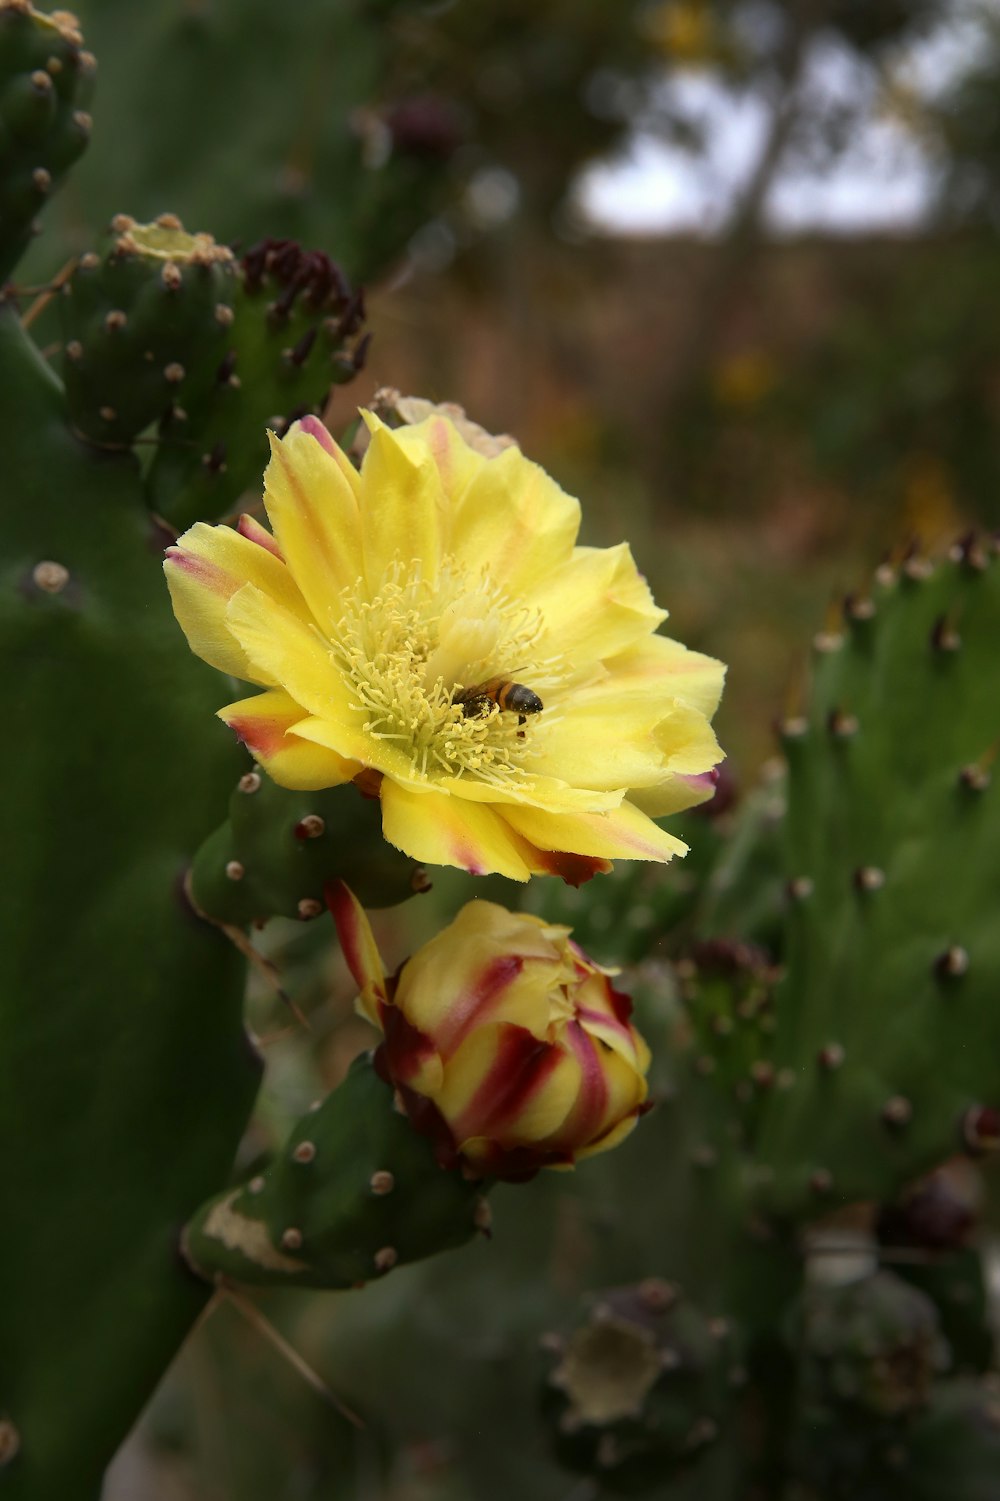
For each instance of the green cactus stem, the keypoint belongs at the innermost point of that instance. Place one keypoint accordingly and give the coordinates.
(354, 1192)
(278, 849)
(46, 79)
(145, 324)
(886, 1018)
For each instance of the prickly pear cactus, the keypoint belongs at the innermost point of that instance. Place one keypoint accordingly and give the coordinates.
(354, 1192)
(892, 954)
(46, 79)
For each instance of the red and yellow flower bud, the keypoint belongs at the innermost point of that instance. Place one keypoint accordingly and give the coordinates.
(507, 1045)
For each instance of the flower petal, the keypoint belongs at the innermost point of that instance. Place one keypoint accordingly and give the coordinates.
(506, 1084)
(622, 834)
(402, 503)
(357, 941)
(204, 569)
(595, 606)
(265, 724)
(488, 965)
(506, 512)
(439, 830)
(660, 665)
(285, 645)
(314, 513)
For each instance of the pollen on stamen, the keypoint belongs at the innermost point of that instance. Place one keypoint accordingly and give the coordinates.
(407, 651)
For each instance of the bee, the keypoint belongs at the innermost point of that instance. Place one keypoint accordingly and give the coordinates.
(508, 696)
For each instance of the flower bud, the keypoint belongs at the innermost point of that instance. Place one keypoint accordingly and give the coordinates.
(507, 1045)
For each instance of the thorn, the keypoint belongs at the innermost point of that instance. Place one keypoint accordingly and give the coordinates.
(657, 1295)
(235, 870)
(42, 179)
(970, 551)
(309, 907)
(223, 314)
(311, 826)
(227, 367)
(420, 881)
(869, 878)
(918, 569)
(382, 1182)
(977, 776)
(304, 1152)
(108, 414)
(386, 1258)
(256, 1185)
(215, 462)
(799, 888)
(299, 352)
(841, 725)
(174, 373)
(762, 1073)
(981, 1129)
(249, 782)
(794, 727)
(831, 1057)
(482, 1217)
(50, 577)
(952, 963)
(885, 575)
(115, 320)
(171, 277)
(859, 607)
(897, 1111)
(10, 1441)
(253, 1316)
(944, 636)
(291, 1239)
(74, 350)
(828, 641)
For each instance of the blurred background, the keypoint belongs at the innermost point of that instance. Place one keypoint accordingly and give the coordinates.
(727, 268)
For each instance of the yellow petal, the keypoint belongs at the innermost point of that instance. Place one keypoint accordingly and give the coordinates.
(439, 830)
(357, 942)
(488, 965)
(401, 506)
(622, 834)
(504, 1084)
(660, 666)
(595, 606)
(285, 645)
(265, 725)
(204, 569)
(317, 525)
(506, 512)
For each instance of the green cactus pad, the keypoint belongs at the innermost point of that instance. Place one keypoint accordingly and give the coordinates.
(125, 1076)
(295, 333)
(46, 80)
(145, 327)
(354, 1192)
(886, 1018)
(278, 849)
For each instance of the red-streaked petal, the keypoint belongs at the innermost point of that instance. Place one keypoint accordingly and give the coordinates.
(357, 942)
(439, 830)
(265, 724)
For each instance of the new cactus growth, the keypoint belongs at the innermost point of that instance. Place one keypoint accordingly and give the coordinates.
(353, 1193)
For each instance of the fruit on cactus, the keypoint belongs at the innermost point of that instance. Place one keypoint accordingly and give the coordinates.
(642, 1388)
(145, 324)
(508, 1047)
(430, 628)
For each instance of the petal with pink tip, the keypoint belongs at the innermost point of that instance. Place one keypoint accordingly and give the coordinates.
(266, 723)
(622, 834)
(204, 569)
(440, 830)
(317, 524)
(357, 942)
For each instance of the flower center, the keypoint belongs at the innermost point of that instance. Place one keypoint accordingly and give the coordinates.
(409, 650)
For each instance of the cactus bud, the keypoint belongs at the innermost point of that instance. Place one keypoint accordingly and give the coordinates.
(509, 1048)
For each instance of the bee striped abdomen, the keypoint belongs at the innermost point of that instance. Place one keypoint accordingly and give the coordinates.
(508, 696)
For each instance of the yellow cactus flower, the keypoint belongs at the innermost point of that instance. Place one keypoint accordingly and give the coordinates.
(507, 1046)
(429, 629)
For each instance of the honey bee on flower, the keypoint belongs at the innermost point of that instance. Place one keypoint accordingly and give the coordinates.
(407, 623)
